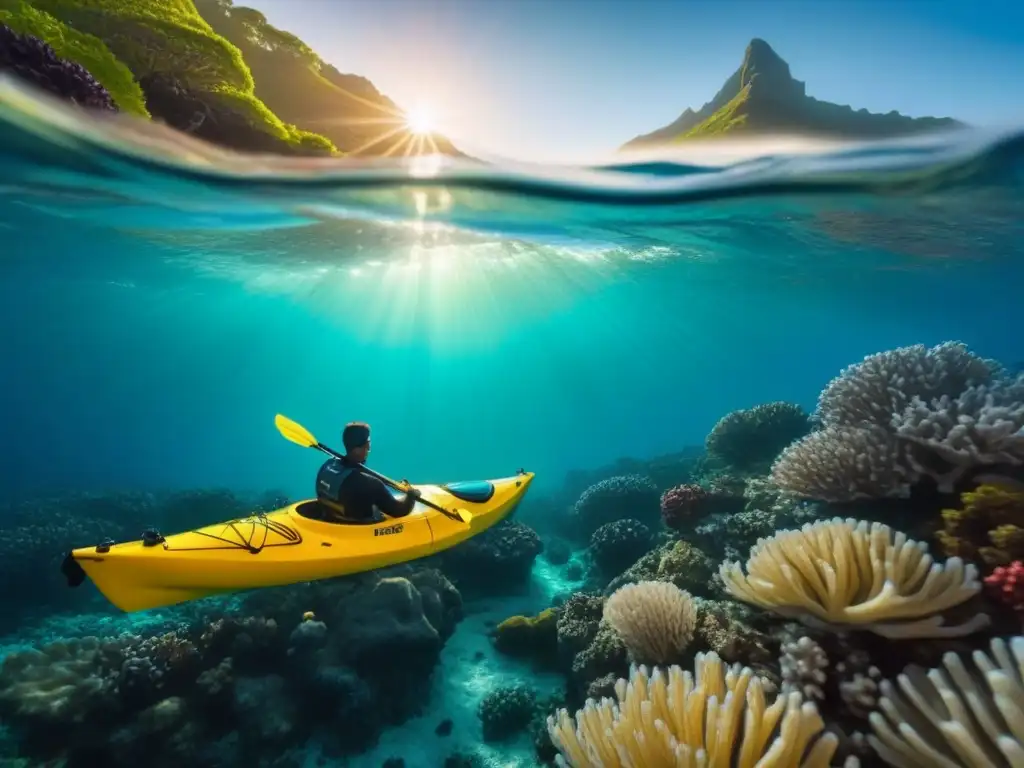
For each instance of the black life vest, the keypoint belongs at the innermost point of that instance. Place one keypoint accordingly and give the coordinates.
(329, 479)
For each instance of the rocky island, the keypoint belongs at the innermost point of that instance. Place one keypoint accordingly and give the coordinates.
(763, 98)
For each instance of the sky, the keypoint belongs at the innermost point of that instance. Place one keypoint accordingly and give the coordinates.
(571, 80)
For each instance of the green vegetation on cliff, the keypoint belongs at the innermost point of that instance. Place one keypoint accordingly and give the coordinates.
(79, 47)
(303, 89)
(222, 73)
(762, 97)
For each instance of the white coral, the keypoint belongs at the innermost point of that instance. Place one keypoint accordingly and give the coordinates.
(982, 425)
(803, 664)
(844, 573)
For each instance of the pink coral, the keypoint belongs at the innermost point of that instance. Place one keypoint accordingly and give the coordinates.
(682, 503)
(1006, 584)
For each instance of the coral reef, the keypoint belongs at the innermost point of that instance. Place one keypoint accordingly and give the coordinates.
(901, 416)
(843, 573)
(988, 528)
(533, 637)
(748, 440)
(498, 560)
(680, 505)
(616, 546)
(675, 562)
(671, 716)
(506, 711)
(655, 620)
(1006, 584)
(35, 62)
(338, 659)
(632, 496)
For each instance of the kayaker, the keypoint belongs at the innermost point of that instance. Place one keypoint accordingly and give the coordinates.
(352, 496)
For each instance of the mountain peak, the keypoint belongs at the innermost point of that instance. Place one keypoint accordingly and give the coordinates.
(762, 96)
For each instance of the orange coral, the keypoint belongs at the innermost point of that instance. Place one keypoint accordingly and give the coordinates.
(989, 528)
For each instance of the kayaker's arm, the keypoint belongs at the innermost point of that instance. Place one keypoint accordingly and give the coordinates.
(388, 504)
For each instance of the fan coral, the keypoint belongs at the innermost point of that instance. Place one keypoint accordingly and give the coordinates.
(681, 504)
(716, 717)
(655, 620)
(947, 720)
(803, 664)
(747, 439)
(845, 573)
(986, 528)
(902, 415)
(1007, 585)
(633, 496)
(35, 62)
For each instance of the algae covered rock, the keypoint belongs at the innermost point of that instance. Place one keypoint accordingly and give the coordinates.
(534, 637)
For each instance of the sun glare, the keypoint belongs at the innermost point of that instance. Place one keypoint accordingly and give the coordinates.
(419, 121)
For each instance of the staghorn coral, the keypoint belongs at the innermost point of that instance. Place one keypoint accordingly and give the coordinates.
(950, 435)
(902, 415)
(618, 497)
(955, 717)
(986, 528)
(655, 620)
(859, 681)
(715, 717)
(841, 574)
(752, 438)
(616, 546)
(803, 664)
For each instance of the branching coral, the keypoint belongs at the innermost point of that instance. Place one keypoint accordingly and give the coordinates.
(987, 528)
(901, 415)
(803, 664)
(655, 619)
(952, 718)
(849, 574)
(718, 717)
(749, 438)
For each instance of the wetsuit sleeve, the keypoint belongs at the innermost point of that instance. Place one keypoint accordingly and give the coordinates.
(388, 504)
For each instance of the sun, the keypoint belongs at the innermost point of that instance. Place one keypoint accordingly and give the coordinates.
(420, 121)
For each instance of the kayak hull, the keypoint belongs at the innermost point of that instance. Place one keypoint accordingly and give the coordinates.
(286, 546)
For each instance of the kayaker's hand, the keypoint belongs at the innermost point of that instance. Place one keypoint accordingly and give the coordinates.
(415, 493)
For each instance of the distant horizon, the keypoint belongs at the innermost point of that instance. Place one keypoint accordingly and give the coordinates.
(571, 81)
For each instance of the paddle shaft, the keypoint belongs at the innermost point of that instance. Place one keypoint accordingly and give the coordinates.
(390, 482)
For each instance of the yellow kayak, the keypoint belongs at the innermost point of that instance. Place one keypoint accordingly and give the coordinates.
(286, 546)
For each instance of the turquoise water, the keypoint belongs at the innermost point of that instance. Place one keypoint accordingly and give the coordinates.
(160, 305)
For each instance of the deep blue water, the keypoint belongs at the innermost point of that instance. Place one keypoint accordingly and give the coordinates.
(159, 310)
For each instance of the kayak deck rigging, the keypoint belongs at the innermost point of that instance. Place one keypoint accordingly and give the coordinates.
(245, 540)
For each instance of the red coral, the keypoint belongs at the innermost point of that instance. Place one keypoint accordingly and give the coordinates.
(682, 503)
(1006, 584)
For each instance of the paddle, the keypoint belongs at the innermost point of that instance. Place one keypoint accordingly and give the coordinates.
(298, 434)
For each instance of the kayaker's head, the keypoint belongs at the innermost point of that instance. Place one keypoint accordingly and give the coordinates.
(356, 439)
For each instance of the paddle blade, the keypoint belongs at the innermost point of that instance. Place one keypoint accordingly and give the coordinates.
(294, 431)
(464, 515)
